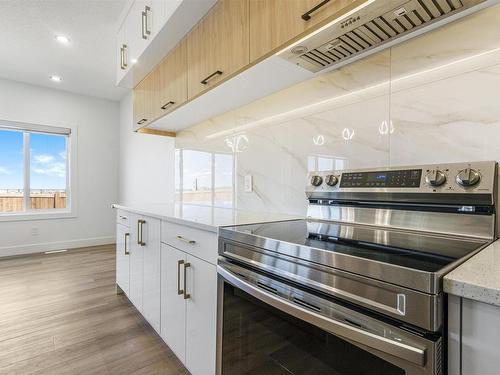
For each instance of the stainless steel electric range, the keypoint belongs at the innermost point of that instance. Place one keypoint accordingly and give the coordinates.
(356, 288)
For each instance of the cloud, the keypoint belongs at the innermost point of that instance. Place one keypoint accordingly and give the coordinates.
(51, 169)
(62, 155)
(4, 170)
(43, 158)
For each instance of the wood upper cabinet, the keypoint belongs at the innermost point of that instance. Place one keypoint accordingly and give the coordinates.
(275, 22)
(172, 80)
(145, 97)
(218, 46)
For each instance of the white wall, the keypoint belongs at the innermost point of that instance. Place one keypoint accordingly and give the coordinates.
(146, 162)
(97, 121)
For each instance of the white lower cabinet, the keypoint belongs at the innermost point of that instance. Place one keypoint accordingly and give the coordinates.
(136, 263)
(152, 276)
(145, 267)
(201, 316)
(173, 306)
(174, 285)
(189, 309)
(122, 257)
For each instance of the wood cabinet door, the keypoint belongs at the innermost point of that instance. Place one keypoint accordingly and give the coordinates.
(201, 316)
(122, 257)
(151, 288)
(140, 105)
(275, 22)
(218, 46)
(172, 79)
(173, 304)
(145, 98)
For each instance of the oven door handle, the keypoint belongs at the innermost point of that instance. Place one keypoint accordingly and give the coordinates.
(400, 350)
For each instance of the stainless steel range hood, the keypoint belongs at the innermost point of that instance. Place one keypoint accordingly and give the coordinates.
(372, 25)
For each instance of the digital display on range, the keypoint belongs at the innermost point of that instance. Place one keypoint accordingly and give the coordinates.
(377, 177)
(401, 179)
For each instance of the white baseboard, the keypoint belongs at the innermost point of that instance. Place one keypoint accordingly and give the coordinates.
(50, 246)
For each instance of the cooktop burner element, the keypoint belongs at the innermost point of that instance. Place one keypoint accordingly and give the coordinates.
(381, 239)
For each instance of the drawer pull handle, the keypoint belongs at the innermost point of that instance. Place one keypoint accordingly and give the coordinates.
(179, 290)
(307, 16)
(127, 235)
(140, 239)
(186, 240)
(166, 105)
(142, 121)
(186, 295)
(216, 73)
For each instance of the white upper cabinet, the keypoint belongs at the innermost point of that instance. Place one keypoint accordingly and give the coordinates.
(149, 31)
(122, 53)
(142, 24)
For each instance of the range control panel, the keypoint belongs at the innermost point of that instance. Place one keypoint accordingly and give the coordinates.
(468, 177)
(404, 178)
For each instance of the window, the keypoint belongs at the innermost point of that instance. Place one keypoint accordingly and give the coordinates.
(204, 178)
(34, 169)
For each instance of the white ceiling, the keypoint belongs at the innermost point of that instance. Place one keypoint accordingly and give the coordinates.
(30, 53)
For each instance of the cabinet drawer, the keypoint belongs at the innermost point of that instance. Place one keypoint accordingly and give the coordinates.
(200, 243)
(123, 218)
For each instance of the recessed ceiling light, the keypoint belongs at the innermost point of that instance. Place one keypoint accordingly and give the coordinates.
(133, 61)
(62, 39)
(56, 78)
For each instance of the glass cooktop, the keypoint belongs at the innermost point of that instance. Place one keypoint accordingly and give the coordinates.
(407, 249)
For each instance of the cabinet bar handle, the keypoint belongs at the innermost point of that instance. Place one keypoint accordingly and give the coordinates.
(125, 56)
(186, 266)
(307, 16)
(166, 105)
(143, 16)
(179, 290)
(186, 240)
(140, 224)
(123, 64)
(216, 73)
(121, 58)
(127, 235)
(146, 26)
(142, 121)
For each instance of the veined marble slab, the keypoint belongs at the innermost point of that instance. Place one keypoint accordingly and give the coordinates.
(202, 217)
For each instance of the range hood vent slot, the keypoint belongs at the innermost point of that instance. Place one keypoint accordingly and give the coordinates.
(347, 39)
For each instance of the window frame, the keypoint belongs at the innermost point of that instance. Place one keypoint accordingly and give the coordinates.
(71, 172)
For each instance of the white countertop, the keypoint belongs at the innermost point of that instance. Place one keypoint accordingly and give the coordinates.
(478, 278)
(202, 217)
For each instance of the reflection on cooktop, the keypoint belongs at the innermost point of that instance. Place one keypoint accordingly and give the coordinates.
(413, 250)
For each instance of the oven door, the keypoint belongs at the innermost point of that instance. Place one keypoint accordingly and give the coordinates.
(268, 327)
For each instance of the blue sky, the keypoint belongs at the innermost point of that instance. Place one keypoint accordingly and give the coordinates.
(47, 159)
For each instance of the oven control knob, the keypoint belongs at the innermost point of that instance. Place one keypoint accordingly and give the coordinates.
(316, 180)
(435, 177)
(468, 177)
(331, 180)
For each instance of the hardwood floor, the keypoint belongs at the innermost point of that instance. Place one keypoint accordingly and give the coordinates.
(59, 314)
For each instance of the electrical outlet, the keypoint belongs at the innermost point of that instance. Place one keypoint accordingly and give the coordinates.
(34, 231)
(248, 183)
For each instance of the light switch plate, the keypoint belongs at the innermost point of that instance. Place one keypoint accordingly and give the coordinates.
(248, 183)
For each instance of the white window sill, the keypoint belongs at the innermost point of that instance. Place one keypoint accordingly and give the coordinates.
(37, 215)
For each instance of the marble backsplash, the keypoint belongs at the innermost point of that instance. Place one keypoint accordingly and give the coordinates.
(434, 98)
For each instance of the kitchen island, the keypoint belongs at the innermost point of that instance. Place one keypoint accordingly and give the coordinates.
(166, 264)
